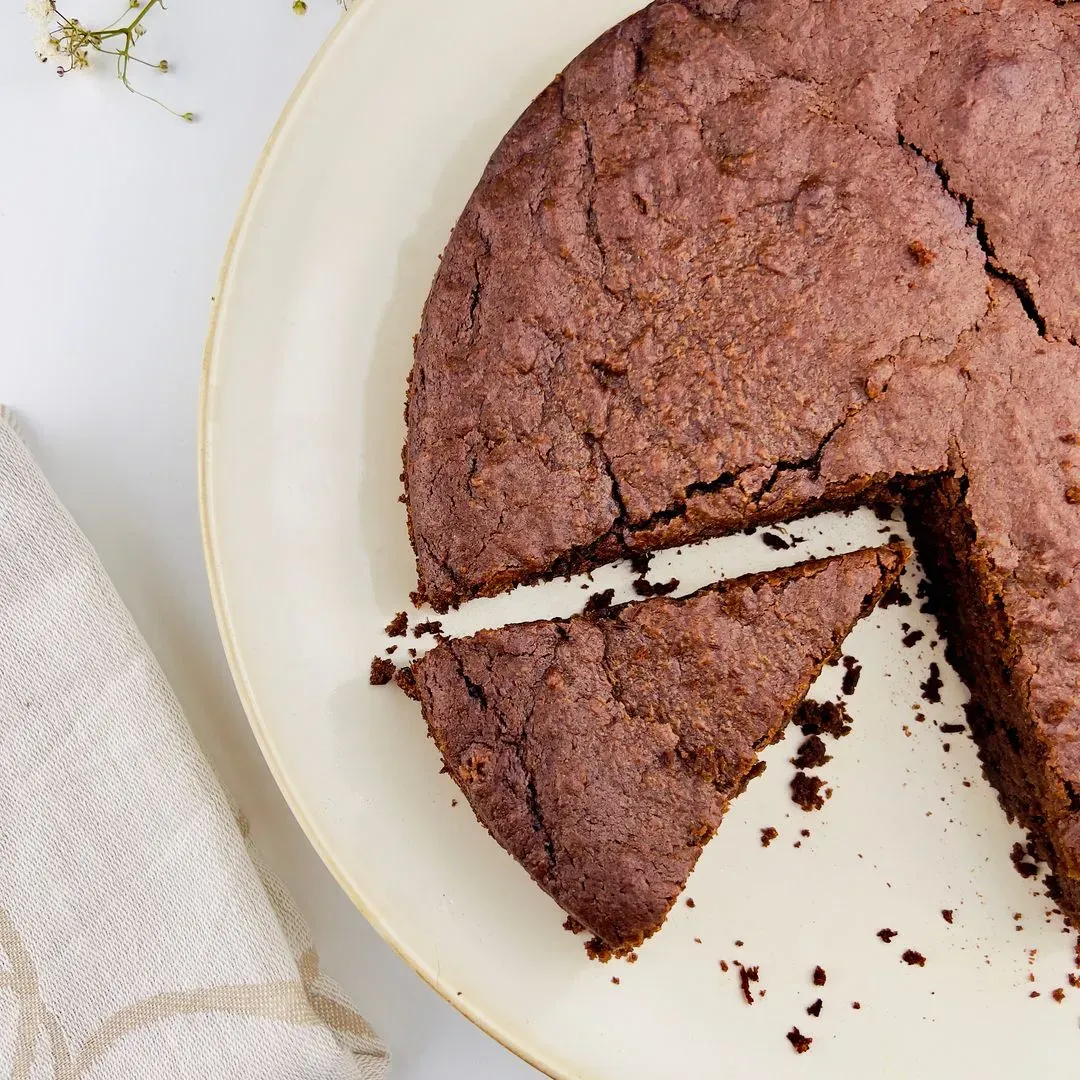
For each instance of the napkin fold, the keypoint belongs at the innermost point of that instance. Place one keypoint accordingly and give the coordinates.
(138, 939)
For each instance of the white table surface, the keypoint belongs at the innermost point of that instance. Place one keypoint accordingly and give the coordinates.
(113, 220)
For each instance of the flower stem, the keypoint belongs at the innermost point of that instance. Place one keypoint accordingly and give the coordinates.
(72, 43)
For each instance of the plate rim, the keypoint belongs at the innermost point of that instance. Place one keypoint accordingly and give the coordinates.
(215, 576)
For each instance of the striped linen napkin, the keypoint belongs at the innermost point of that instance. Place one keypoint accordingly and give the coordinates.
(138, 937)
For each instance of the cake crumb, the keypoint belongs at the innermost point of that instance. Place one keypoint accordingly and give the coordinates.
(390, 650)
(947, 915)
(814, 1009)
(690, 902)
(572, 925)
(799, 1041)
(952, 729)
(453, 802)
(819, 976)
(1034, 994)
(811, 754)
(912, 638)
(852, 671)
(823, 718)
(916, 959)
(921, 253)
(382, 671)
(644, 587)
(615, 979)
(894, 595)
(738, 944)
(1023, 868)
(931, 688)
(1058, 994)
(747, 975)
(856, 1005)
(398, 625)
(887, 935)
(774, 541)
(805, 791)
(600, 600)
(697, 941)
(433, 627)
(768, 835)
(598, 949)
(723, 965)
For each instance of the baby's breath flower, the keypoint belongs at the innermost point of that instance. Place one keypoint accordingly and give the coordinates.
(41, 12)
(69, 41)
(44, 47)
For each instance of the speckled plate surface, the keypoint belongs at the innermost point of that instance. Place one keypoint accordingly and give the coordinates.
(308, 559)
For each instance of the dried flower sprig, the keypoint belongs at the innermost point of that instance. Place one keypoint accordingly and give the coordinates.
(71, 43)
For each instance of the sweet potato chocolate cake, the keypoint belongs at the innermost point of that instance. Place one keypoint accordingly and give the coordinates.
(602, 751)
(745, 260)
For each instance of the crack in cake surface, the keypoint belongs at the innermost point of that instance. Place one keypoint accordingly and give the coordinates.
(993, 265)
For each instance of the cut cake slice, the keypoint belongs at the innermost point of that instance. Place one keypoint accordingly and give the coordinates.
(601, 751)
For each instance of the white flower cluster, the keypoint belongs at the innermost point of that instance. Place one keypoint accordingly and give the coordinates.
(42, 13)
(72, 43)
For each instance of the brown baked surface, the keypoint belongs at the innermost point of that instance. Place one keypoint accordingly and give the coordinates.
(602, 751)
(750, 259)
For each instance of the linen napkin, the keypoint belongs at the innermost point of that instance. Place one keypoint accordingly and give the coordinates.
(138, 940)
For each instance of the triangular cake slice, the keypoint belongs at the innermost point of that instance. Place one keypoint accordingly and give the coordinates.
(601, 751)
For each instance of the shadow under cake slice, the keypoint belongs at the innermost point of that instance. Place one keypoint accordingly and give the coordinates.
(602, 751)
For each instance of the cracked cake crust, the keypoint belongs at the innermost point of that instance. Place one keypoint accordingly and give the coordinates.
(750, 259)
(602, 751)
(589, 372)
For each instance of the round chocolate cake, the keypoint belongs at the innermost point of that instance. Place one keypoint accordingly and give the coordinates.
(746, 260)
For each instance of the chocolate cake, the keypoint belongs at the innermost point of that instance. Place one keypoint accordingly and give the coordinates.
(602, 751)
(746, 260)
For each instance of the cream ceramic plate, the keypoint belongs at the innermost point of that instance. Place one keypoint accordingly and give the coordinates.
(309, 559)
